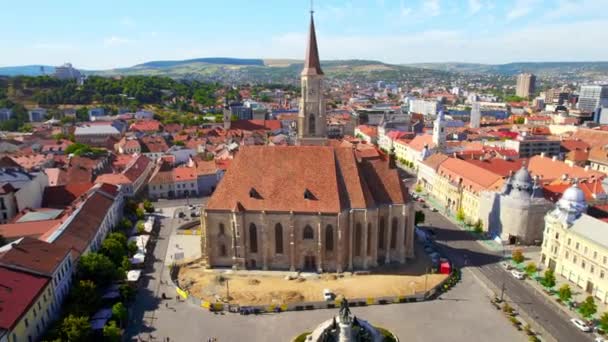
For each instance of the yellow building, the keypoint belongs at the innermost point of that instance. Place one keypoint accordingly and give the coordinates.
(575, 245)
(25, 300)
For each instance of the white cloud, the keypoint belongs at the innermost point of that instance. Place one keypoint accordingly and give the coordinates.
(115, 41)
(521, 8)
(475, 6)
(431, 7)
(404, 11)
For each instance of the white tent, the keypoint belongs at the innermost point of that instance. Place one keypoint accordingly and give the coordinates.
(133, 275)
(141, 241)
(138, 259)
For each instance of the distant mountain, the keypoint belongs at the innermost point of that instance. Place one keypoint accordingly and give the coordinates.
(539, 68)
(235, 70)
(27, 70)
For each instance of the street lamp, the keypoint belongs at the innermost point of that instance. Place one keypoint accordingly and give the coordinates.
(502, 289)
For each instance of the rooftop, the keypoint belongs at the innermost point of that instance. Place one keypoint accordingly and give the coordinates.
(18, 291)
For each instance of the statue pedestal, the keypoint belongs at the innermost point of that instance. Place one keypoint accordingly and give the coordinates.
(345, 332)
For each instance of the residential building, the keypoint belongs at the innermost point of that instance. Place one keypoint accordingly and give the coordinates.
(128, 146)
(592, 97)
(26, 305)
(37, 114)
(169, 182)
(6, 114)
(153, 147)
(133, 178)
(526, 85)
(67, 72)
(315, 186)
(96, 134)
(576, 246)
(424, 107)
(367, 133)
(312, 124)
(427, 171)
(528, 146)
(41, 258)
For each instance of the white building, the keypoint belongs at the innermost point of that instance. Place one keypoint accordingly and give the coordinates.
(425, 107)
(475, 115)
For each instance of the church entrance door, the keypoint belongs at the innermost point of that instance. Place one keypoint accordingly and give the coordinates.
(310, 263)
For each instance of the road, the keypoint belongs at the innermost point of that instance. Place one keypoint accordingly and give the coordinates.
(462, 249)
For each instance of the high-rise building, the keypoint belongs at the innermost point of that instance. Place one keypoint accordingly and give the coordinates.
(439, 133)
(475, 115)
(592, 97)
(67, 72)
(311, 119)
(525, 85)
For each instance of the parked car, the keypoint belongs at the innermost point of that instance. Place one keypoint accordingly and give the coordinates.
(518, 274)
(582, 326)
(434, 210)
(506, 265)
(181, 214)
(328, 295)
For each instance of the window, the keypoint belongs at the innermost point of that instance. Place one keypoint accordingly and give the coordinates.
(557, 236)
(27, 323)
(253, 238)
(604, 260)
(311, 124)
(567, 255)
(278, 238)
(222, 229)
(574, 259)
(381, 234)
(576, 246)
(329, 238)
(369, 239)
(358, 239)
(594, 255)
(601, 274)
(308, 233)
(591, 269)
(583, 264)
(585, 250)
(394, 233)
(223, 250)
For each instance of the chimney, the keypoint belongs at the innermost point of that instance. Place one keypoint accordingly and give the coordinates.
(554, 158)
(542, 154)
(586, 167)
(565, 176)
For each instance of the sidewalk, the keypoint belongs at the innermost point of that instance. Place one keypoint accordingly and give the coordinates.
(481, 238)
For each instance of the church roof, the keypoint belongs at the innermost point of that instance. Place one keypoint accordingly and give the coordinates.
(308, 179)
(312, 63)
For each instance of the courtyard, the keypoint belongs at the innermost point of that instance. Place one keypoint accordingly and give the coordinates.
(276, 287)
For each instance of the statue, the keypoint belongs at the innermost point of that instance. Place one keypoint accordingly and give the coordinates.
(344, 312)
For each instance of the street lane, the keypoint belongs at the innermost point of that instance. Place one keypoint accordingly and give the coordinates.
(462, 249)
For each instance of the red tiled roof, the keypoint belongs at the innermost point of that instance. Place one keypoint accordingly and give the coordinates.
(154, 144)
(181, 174)
(498, 166)
(18, 291)
(574, 144)
(473, 176)
(420, 141)
(146, 126)
(35, 255)
(549, 170)
(592, 190)
(370, 131)
(33, 229)
(61, 196)
(254, 125)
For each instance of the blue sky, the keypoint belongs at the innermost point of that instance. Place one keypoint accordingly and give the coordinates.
(96, 34)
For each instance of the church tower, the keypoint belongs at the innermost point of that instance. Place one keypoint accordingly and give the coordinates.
(311, 118)
(439, 134)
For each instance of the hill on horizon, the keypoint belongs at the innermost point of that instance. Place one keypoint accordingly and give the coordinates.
(510, 69)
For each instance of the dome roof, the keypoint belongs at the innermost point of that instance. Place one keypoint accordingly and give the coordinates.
(522, 176)
(574, 194)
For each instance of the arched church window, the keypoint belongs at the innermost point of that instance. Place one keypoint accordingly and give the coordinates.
(222, 229)
(329, 238)
(308, 233)
(311, 124)
(253, 238)
(278, 238)
(381, 233)
(223, 250)
(394, 233)
(358, 239)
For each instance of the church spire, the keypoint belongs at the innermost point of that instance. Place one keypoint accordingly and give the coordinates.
(312, 64)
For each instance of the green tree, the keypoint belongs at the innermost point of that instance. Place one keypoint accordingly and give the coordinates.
(478, 227)
(97, 267)
(418, 188)
(114, 250)
(132, 248)
(84, 298)
(148, 207)
(111, 332)
(419, 217)
(603, 321)
(76, 328)
(460, 214)
(141, 227)
(139, 212)
(531, 269)
(127, 293)
(125, 224)
(564, 293)
(517, 256)
(548, 279)
(588, 307)
(119, 313)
